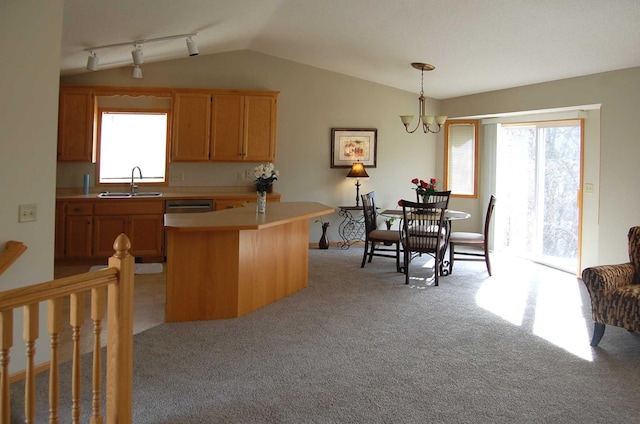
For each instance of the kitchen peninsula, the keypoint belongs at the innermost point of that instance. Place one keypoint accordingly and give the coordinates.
(228, 263)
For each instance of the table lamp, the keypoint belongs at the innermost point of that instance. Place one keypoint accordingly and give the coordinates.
(357, 171)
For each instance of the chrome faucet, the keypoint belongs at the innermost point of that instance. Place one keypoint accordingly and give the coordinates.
(134, 187)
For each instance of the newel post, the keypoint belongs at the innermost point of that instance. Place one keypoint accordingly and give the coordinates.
(120, 335)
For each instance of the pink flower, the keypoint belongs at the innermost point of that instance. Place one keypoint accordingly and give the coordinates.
(415, 181)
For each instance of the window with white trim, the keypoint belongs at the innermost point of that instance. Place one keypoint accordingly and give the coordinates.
(130, 138)
(461, 158)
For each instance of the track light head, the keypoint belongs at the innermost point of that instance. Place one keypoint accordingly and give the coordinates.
(92, 62)
(137, 72)
(192, 47)
(138, 57)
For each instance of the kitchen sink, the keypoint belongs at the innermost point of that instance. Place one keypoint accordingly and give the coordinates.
(127, 195)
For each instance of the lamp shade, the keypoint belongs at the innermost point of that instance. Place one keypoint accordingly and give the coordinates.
(357, 171)
(137, 72)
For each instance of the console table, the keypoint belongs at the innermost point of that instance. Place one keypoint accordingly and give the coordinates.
(352, 227)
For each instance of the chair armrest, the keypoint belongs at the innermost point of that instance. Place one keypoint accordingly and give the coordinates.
(605, 278)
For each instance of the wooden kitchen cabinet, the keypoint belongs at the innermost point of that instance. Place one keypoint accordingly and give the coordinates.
(141, 221)
(78, 230)
(225, 127)
(76, 124)
(191, 127)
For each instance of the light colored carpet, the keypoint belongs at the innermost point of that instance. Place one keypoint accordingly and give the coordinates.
(360, 346)
(142, 268)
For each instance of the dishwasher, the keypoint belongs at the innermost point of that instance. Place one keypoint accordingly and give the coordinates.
(188, 205)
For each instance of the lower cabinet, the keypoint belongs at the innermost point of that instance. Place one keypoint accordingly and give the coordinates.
(87, 228)
(142, 222)
(144, 232)
(78, 230)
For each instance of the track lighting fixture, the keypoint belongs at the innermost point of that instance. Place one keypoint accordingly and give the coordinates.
(192, 47)
(92, 62)
(138, 57)
(136, 53)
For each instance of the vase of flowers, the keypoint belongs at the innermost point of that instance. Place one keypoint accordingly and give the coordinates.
(265, 175)
(424, 189)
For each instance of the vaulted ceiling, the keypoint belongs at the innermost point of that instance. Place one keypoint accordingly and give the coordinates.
(475, 45)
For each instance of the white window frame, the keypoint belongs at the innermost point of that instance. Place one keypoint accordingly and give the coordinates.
(150, 180)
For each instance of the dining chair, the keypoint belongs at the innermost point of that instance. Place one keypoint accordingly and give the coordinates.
(472, 242)
(376, 241)
(423, 231)
(437, 196)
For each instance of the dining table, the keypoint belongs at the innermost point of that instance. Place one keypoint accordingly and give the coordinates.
(449, 216)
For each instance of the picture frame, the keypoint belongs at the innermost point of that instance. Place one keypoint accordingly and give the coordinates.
(349, 145)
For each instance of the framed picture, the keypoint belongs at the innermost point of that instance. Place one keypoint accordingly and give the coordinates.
(349, 145)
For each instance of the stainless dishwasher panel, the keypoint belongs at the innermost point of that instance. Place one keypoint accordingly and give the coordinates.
(188, 205)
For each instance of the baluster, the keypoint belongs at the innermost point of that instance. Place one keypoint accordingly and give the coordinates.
(6, 341)
(98, 296)
(77, 319)
(54, 323)
(30, 335)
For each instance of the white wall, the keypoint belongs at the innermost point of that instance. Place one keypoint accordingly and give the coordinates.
(30, 35)
(611, 148)
(311, 102)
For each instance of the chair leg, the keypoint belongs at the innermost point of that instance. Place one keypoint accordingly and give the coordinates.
(451, 256)
(398, 256)
(364, 256)
(598, 332)
(407, 259)
(372, 249)
(486, 257)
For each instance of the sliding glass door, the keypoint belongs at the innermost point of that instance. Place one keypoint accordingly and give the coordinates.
(538, 175)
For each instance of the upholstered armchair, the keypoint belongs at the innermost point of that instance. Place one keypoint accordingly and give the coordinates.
(615, 291)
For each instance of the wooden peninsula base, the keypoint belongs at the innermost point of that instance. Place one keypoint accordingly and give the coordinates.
(228, 263)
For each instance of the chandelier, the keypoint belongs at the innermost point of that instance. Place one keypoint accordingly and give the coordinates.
(427, 121)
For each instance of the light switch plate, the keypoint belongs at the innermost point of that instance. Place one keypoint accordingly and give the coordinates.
(27, 213)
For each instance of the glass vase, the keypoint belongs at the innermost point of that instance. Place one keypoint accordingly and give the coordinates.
(261, 204)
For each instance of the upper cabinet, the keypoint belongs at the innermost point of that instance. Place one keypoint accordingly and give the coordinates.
(224, 127)
(208, 124)
(76, 123)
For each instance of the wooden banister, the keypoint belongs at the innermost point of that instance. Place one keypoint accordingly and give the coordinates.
(118, 281)
(13, 250)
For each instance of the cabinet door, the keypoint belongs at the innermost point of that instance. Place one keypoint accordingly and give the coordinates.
(260, 129)
(146, 233)
(191, 127)
(227, 127)
(107, 228)
(78, 236)
(76, 125)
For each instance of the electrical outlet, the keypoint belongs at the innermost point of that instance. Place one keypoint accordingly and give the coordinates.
(177, 176)
(240, 176)
(248, 174)
(588, 188)
(27, 213)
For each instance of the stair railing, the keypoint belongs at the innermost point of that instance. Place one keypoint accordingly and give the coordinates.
(112, 287)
